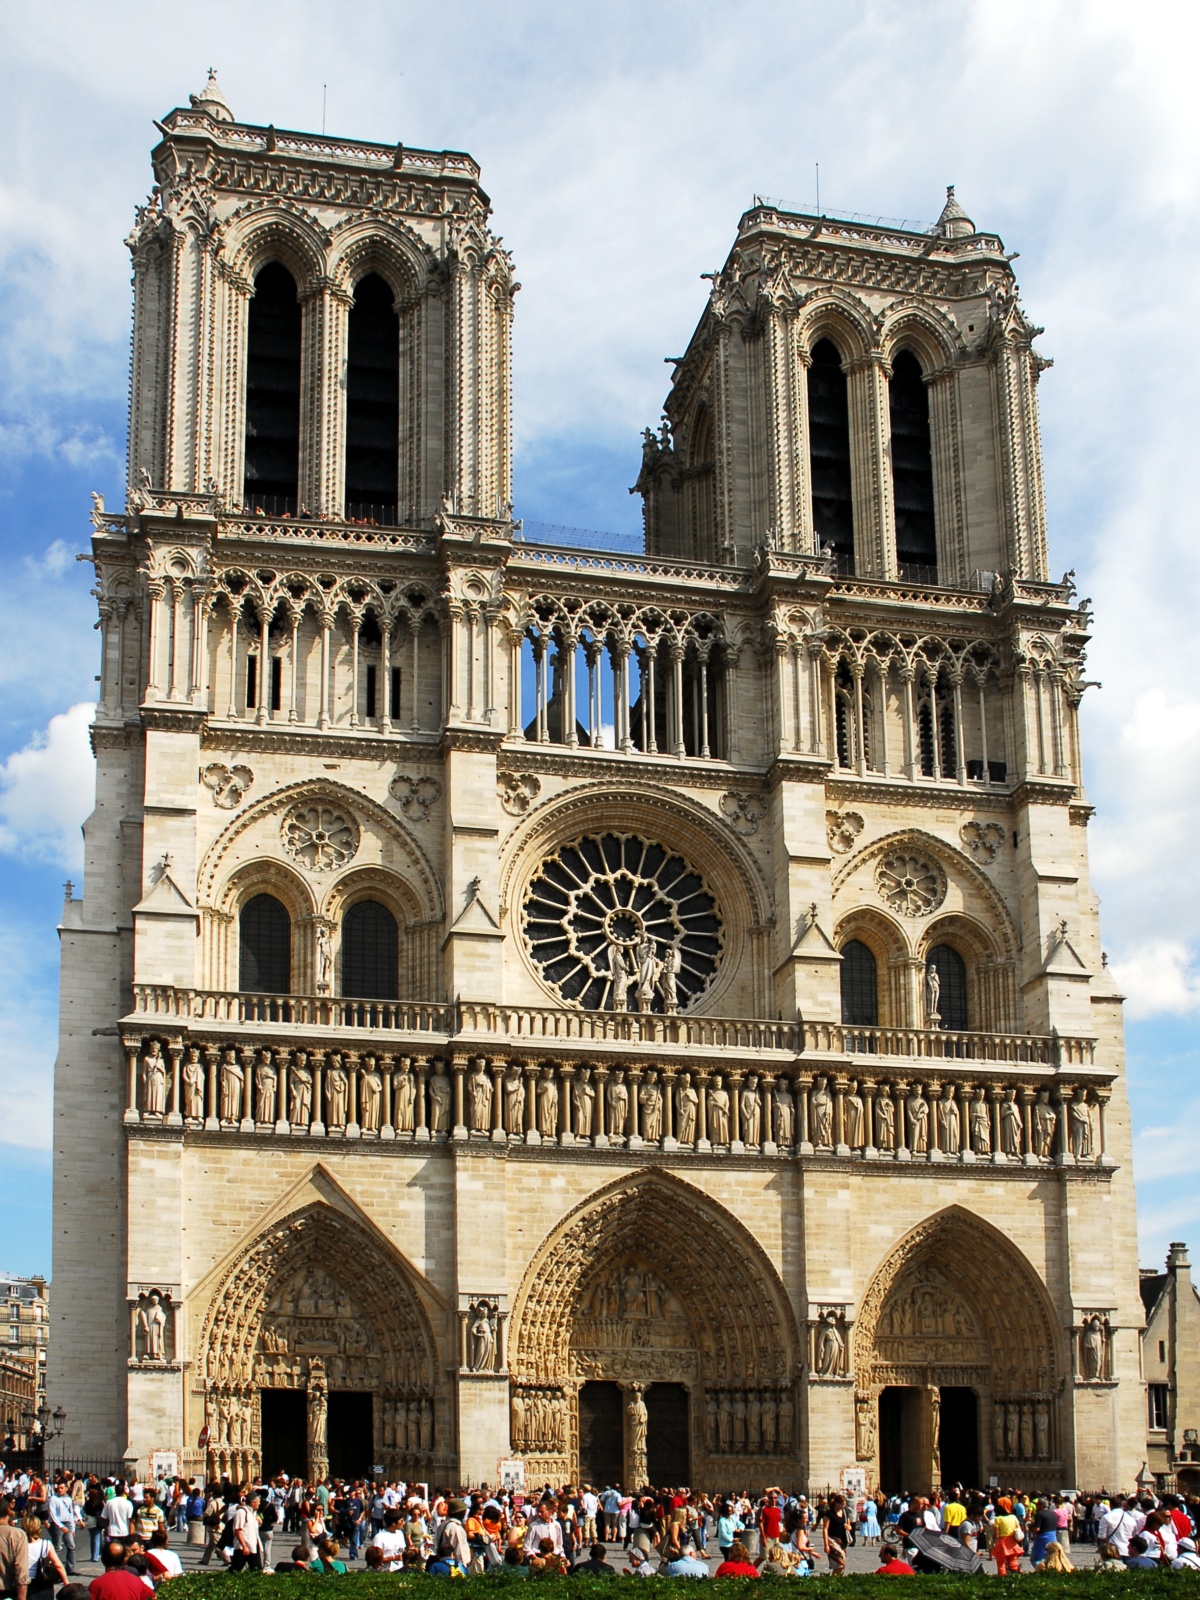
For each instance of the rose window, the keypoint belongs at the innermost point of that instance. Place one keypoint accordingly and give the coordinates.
(615, 923)
(910, 884)
(319, 838)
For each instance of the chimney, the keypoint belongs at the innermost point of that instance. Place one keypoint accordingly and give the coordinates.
(1177, 1258)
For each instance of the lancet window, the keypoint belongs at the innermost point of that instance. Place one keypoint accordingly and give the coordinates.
(952, 986)
(264, 947)
(272, 458)
(372, 404)
(650, 683)
(860, 985)
(912, 471)
(829, 455)
(370, 952)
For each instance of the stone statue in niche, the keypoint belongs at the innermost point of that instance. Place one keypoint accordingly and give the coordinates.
(1093, 1347)
(1010, 1124)
(514, 1101)
(855, 1118)
(933, 995)
(918, 1123)
(404, 1091)
(718, 1111)
(482, 1320)
(750, 1111)
(830, 1344)
(686, 1102)
(370, 1097)
(822, 1114)
(154, 1081)
(152, 1321)
(439, 1102)
(300, 1086)
(547, 1104)
(650, 1101)
(981, 1124)
(949, 1127)
(266, 1085)
(1080, 1126)
(479, 1087)
(639, 1420)
(617, 1098)
(668, 976)
(324, 960)
(337, 1086)
(1045, 1122)
(232, 1083)
(885, 1122)
(583, 1103)
(864, 1426)
(193, 1086)
(783, 1113)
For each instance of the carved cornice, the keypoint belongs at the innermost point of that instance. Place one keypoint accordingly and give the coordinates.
(523, 755)
(1045, 792)
(927, 795)
(237, 739)
(798, 769)
(484, 740)
(104, 736)
(173, 719)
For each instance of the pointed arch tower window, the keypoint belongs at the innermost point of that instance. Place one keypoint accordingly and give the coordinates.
(912, 471)
(272, 462)
(829, 454)
(372, 404)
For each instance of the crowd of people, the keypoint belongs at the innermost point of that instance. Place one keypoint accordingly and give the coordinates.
(288, 1525)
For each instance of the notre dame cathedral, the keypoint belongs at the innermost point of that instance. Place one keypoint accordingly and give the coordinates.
(641, 1016)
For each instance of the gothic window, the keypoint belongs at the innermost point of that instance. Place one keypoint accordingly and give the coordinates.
(370, 952)
(860, 986)
(264, 947)
(701, 490)
(272, 469)
(952, 995)
(372, 404)
(912, 471)
(829, 454)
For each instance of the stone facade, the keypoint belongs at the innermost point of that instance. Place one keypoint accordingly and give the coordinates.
(1171, 1365)
(630, 1014)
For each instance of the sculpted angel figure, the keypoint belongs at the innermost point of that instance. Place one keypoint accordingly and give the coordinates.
(514, 1101)
(718, 1111)
(154, 1081)
(650, 1102)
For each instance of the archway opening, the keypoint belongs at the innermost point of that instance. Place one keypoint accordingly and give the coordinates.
(901, 1456)
(601, 1441)
(284, 1431)
(668, 1434)
(958, 1436)
(351, 1434)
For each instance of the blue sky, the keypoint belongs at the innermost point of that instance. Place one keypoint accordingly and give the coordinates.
(619, 143)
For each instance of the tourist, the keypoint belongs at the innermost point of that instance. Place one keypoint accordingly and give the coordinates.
(14, 1554)
(45, 1569)
(729, 1525)
(117, 1515)
(117, 1581)
(610, 1502)
(868, 1522)
(1045, 1530)
(1006, 1548)
(451, 1538)
(1109, 1558)
(687, 1564)
(891, 1566)
(326, 1559)
(590, 1506)
(390, 1541)
(835, 1534)
(639, 1563)
(1139, 1558)
(1118, 1525)
(1056, 1559)
(247, 1547)
(596, 1563)
(543, 1526)
(65, 1517)
(164, 1563)
(737, 1563)
(1188, 1560)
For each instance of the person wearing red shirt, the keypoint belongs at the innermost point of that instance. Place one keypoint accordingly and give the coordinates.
(116, 1582)
(738, 1564)
(1183, 1523)
(770, 1519)
(891, 1566)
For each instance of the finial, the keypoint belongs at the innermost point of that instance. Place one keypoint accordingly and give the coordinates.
(954, 223)
(211, 101)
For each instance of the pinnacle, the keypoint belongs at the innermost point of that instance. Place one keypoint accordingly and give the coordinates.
(954, 223)
(211, 101)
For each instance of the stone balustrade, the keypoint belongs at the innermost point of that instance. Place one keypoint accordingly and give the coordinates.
(929, 1109)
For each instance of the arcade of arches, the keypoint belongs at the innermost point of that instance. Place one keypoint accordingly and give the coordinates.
(626, 1363)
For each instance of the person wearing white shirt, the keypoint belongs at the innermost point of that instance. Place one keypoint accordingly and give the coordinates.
(390, 1542)
(117, 1514)
(64, 1515)
(590, 1506)
(611, 1501)
(1118, 1526)
(545, 1525)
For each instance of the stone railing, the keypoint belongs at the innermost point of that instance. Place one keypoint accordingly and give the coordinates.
(932, 1044)
(752, 1097)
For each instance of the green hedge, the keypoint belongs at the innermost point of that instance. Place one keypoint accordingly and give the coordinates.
(863, 1586)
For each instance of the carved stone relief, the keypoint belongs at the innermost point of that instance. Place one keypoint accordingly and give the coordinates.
(982, 840)
(742, 810)
(228, 785)
(319, 837)
(518, 791)
(415, 796)
(910, 884)
(842, 828)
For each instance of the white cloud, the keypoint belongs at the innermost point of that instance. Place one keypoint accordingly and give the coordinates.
(47, 791)
(1160, 978)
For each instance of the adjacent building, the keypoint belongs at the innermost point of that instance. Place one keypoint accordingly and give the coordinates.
(1171, 1364)
(23, 1354)
(637, 1016)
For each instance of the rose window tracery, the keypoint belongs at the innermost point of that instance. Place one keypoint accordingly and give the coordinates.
(319, 837)
(910, 884)
(617, 923)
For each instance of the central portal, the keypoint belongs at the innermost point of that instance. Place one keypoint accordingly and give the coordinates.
(668, 1435)
(284, 1431)
(351, 1437)
(958, 1436)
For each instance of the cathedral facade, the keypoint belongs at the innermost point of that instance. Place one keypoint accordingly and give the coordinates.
(637, 1016)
